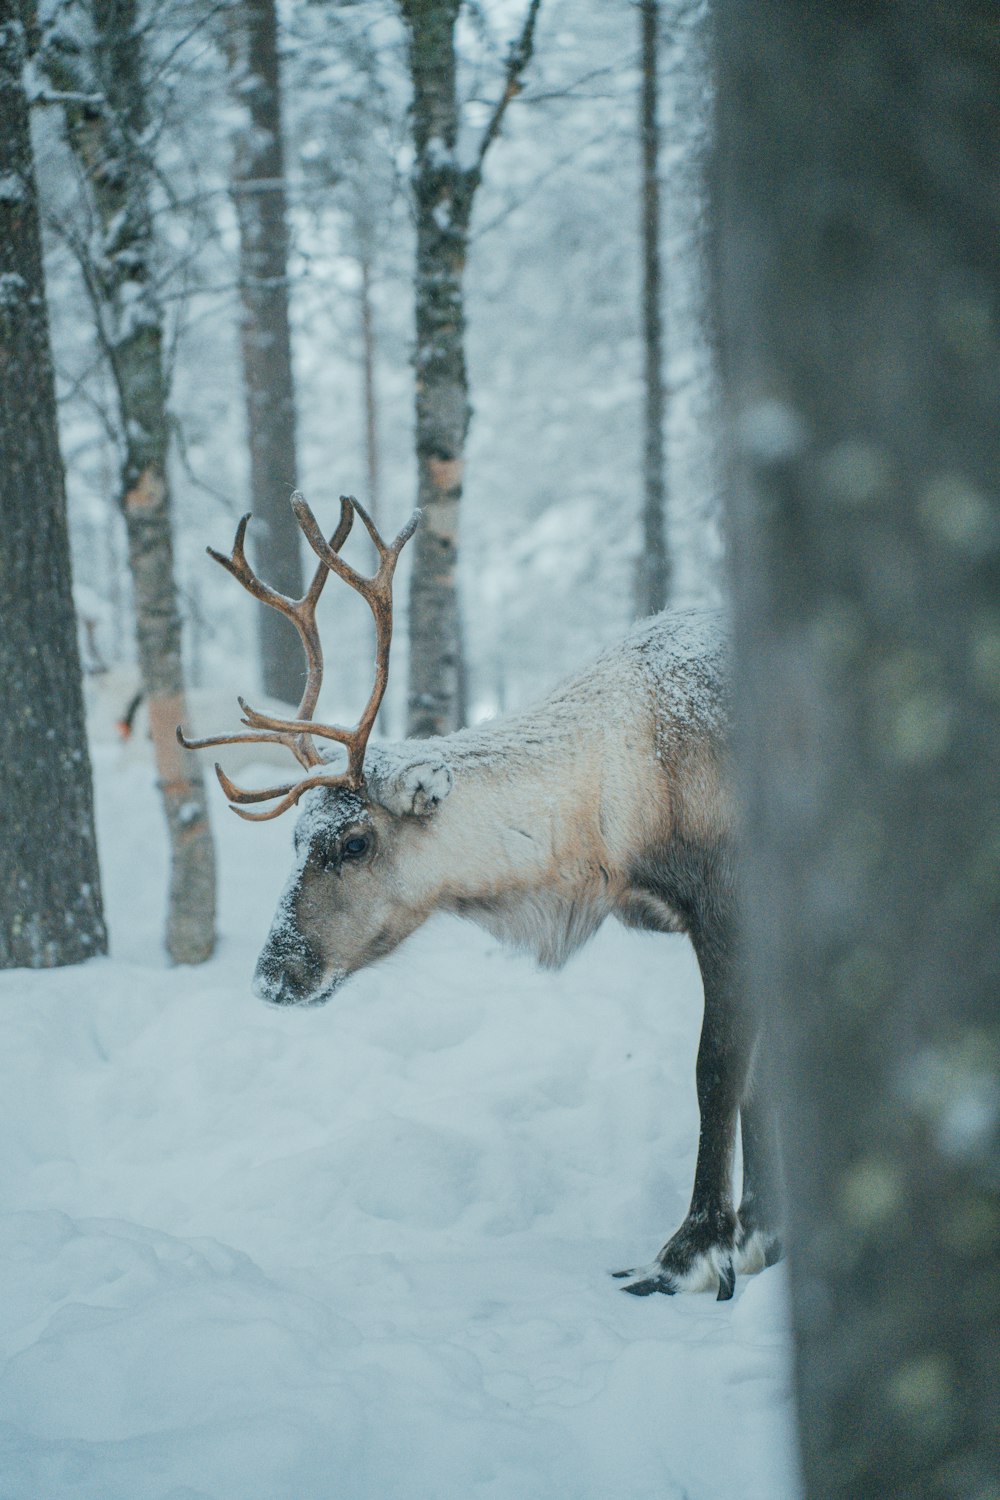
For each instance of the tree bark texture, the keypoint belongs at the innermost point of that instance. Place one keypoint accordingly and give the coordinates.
(369, 358)
(50, 891)
(107, 136)
(443, 197)
(653, 582)
(858, 188)
(258, 184)
(444, 189)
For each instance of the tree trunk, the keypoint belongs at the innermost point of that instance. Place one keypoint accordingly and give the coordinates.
(444, 188)
(50, 890)
(258, 178)
(369, 350)
(443, 199)
(653, 582)
(108, 140)
(859, 190)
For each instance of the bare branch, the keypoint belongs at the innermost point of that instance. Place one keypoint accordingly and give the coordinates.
(518, 59)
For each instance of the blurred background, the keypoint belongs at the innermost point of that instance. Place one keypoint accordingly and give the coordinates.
(551, 509)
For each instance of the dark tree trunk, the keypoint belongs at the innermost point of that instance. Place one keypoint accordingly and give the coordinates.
(444, 189)
(653, 582)
(108, 140)
(369, 353)
(50, 890)
(859, 198)
(259, 195)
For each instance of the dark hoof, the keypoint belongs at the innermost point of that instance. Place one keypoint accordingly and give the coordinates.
(648, 1285)
(727, 1282)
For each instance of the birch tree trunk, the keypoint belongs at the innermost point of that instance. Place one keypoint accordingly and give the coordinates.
(443, 205)
(107, 136)
(859, 190)
(654, 563)
(444, 189)
(50, 890)
(258, 182)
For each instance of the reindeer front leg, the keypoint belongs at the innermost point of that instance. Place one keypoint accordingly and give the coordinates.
(700, 1256)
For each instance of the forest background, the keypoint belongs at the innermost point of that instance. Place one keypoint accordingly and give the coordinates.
(858, 227)
(551, 509)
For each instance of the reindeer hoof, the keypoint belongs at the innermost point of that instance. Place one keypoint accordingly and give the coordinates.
(648, 1284)
(643, 1281)
(695, 1260)
(727, 1282)
(756, 1249)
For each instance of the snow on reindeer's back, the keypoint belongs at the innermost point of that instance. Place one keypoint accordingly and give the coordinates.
(684, 656)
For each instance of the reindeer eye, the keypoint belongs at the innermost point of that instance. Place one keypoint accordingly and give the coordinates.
(355, 846)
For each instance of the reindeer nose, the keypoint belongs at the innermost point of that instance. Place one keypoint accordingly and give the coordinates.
(288, 970)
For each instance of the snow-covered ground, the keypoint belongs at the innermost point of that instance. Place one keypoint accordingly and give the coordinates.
(359, 1251)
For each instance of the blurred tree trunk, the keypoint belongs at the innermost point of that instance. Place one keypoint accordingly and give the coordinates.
(444, 189)
(653, 582)
(369, 358)
(258, 182)
(369, 354)
(50, 889)
(106, 123)
(859, 196)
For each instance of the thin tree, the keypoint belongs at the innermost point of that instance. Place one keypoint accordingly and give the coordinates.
(259, 193)
(369, 364)
(104, 88)
(859, 195)
(50, 890)
(444, 189)
(653, 580)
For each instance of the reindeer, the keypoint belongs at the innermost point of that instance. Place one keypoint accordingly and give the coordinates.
(612, 798)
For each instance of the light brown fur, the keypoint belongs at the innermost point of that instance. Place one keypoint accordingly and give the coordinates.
(534, 830)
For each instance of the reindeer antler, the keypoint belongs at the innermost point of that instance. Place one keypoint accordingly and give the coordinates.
(296, 733)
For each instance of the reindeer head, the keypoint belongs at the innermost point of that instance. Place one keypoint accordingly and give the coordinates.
(344, 905)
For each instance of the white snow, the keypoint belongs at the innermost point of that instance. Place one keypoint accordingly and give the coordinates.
(13, 288)
(360, 1252)
(12, 188)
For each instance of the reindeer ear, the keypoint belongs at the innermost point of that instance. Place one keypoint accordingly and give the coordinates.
(416, 788)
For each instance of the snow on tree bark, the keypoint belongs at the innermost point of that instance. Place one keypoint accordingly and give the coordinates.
(50, 892)
(859, 189)
(258, 183)
(106, 125)
(444, 189)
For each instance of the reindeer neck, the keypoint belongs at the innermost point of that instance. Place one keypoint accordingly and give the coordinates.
(523, 812)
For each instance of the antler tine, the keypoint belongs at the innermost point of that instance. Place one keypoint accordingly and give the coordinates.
(304, 619)
(394, 548)
(240, 794)
(286, 727)
(236, 563)
(388, 554)
(302, 614)
(377, 591)
(239, 738)
(335, 543)
(296, 733)
(289, 794)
